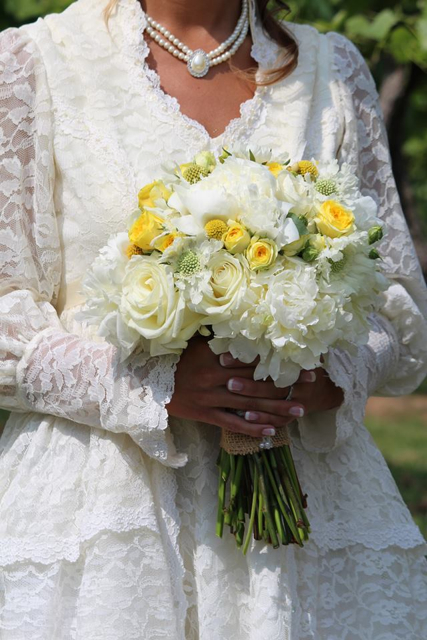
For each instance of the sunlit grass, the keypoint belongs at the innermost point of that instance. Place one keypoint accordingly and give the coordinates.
(403, 442)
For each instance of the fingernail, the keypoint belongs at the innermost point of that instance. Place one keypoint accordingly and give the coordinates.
(296, 411)
(269, 432)
(234, 385)
(251, 416)
(309, 376)
(226, 359)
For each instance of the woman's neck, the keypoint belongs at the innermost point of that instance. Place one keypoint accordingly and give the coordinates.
(193, 19)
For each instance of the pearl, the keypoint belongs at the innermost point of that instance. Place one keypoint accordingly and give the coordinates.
(199, 61)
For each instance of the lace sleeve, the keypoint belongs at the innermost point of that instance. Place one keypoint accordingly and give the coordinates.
(42, 367)
(395, 360)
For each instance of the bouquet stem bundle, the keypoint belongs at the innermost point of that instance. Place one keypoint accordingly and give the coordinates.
(264, 487)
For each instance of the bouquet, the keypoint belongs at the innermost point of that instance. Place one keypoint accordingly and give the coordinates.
(273, 261)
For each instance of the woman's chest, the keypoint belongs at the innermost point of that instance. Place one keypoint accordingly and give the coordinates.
(115, 129)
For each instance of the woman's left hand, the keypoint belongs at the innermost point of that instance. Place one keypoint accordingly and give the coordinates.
(313, 391)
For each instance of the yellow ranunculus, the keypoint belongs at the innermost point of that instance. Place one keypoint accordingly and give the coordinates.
(236, 239)
(145, 229)
(152, 192)
(275, 168)
(261, 253)
(333, 220)
(164, 242)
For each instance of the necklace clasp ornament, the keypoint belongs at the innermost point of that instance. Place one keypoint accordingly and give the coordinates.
(198, 63)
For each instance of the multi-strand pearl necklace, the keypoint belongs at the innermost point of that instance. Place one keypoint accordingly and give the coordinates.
(199, 62)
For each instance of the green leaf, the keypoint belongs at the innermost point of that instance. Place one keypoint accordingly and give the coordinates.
(382, 24)
(251, 156)
(300, 223)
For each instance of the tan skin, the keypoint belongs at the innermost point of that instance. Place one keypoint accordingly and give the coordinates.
(203, 382)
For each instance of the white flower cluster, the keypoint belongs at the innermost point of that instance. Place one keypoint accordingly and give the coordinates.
(270, 259)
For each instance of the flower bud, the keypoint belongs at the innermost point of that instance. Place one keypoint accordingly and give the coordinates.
(375, 234)
(374, 255)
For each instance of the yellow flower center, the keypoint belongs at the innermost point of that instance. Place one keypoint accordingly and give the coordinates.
(133, 250)
(215, 229)
(305, 166)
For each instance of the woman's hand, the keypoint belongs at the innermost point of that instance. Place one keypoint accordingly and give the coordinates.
(205, 389)
(314, 391)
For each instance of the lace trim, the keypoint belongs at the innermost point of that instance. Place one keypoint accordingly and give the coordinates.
(137, 49)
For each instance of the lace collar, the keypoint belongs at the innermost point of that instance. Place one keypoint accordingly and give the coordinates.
(132, 23)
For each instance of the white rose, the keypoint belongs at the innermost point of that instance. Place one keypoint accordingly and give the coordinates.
(226, 287)
(153, 306)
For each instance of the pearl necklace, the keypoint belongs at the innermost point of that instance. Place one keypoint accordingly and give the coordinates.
(199, 62)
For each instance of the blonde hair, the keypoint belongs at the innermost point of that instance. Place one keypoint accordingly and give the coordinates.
(274, 28)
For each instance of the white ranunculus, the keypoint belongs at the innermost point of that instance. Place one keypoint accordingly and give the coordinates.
(152, 306)
(298, 192)
(287, 232)
(226, 289)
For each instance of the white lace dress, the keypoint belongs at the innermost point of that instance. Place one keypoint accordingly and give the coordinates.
(107, 513)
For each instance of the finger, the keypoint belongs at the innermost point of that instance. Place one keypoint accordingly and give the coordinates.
(232, 422)
(222, 398)
(227, 360)
(307, 377)
(259, 417)
(255, 388)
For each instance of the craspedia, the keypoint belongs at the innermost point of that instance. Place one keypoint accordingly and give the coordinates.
(188, 263)
(215, 229)
(194, 173)
(326, 187)
(305, 166)
(133, 250)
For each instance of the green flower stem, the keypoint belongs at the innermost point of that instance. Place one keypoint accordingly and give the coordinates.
(289, 463)
(224, 466)
(266, 504)
(255, 498)
(240, 528)
(293, 489)
(228, 519)
(260, 514)
(289, 517)
(279, 525)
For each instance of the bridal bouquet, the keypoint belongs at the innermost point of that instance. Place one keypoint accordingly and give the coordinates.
(271, 260)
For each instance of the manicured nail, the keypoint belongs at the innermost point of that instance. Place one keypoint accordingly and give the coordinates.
(309, 376)
(225, 359)
(296, 411)
(269, 432)
(234, 385)
(251, 416)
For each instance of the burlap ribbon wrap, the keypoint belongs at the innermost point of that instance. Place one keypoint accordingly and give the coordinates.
(241, 444)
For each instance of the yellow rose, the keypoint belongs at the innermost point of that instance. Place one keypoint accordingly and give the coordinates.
(261, 254)
(152, 192)
(236, 238)
(275, 168)
(293, 248)
(333, 220)
(145, 229)
(164, 242)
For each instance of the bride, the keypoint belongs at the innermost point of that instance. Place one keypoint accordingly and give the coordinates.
(107, 470)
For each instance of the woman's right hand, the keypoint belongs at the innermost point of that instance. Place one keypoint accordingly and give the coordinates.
(202, 393)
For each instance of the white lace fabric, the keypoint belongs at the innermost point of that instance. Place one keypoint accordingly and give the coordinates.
(99, 510)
